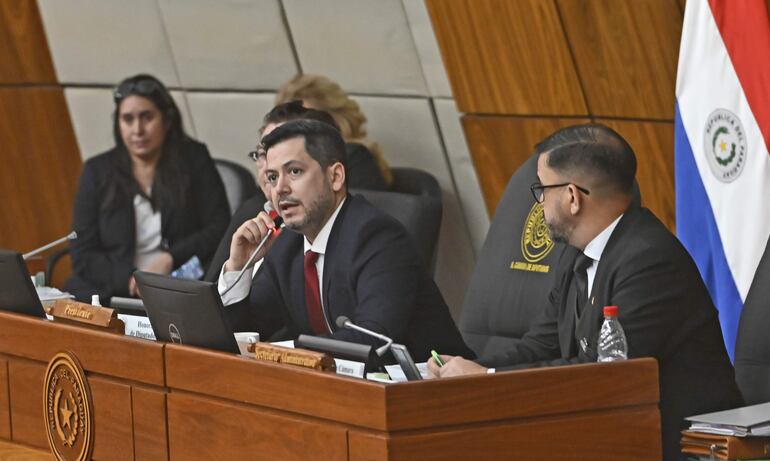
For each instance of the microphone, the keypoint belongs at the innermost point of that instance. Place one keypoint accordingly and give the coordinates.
(268, 207)
(344, 322)
(71, 236)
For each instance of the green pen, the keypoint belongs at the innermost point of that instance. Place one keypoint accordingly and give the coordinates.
(437, 358)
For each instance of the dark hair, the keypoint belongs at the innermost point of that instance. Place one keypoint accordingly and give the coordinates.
(294, 110)
(170, 182)
(322, 141)
(592, 150)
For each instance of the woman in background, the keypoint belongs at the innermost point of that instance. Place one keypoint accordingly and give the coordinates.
(153, 202)
(366, 166)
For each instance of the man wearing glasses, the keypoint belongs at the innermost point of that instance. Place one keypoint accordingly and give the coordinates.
(623, 255)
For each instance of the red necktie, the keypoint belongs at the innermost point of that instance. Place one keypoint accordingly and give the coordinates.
(313, 294)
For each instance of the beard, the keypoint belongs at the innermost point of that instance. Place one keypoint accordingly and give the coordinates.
(316, 213)
(559, 228)
(557, 234)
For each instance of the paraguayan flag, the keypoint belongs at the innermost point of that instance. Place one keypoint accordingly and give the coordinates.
(722, 133)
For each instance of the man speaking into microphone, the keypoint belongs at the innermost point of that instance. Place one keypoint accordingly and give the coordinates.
(339, 257)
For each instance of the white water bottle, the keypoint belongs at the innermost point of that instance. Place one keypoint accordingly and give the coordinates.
(612, 338)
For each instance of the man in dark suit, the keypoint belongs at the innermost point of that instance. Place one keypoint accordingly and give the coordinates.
(623, 256)
(361, 172)
(340, 255)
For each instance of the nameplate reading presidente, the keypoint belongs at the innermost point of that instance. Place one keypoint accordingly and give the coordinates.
(68, 409)
(299, 357)
(71, 311)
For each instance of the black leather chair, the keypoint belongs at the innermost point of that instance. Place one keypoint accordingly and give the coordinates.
(239, 182)
(415, 200)
(752, 347)
(514, 272)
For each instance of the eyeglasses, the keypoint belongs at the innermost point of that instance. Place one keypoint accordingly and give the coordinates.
(537, 190)
(144, 87)
(257, 155)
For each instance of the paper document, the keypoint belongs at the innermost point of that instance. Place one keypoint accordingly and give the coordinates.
(51, 294)
(397, 374)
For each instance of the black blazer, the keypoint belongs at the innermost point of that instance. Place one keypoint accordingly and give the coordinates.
(372, 274)
(666, 313)
(103, 253)
(362, 172)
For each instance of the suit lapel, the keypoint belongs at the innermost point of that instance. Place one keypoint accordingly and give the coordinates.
(297, 289)
(567, 320)
(331, 256)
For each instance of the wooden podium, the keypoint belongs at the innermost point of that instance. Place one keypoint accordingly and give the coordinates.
(156, 401)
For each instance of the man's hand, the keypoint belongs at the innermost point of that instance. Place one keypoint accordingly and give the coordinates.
(246, 239)
(454, 366)
(161, 264)
(133, 289)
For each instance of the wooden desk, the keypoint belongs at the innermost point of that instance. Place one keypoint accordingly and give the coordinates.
(155, 401)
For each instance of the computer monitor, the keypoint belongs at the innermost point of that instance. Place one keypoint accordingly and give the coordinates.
(17, 294)
(186, 312)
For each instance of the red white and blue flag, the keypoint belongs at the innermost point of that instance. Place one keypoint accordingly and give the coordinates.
(722, 133)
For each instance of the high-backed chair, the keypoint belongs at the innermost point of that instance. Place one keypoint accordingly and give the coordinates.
(752, 348)
(514, 272)
(239, 182)
(415, 201)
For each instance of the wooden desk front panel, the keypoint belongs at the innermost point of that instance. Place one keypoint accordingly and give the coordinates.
(5, 409)
(631, 434)
(279, 387)
(203, 428)
(116, 355)
(129, 415)
(114, 414)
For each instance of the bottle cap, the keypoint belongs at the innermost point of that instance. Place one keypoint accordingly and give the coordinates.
(610, 311)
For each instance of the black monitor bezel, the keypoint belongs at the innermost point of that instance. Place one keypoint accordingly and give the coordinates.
(17, 293)
(194, 302)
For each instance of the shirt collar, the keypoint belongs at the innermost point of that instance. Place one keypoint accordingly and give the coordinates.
(319, 244)
(595, 247)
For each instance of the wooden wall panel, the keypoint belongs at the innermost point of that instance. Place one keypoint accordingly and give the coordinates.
(653, 143)
(499, 145)
(626, 53)
(24, 54)
(506, 57)
(38, 150)
(41, 165)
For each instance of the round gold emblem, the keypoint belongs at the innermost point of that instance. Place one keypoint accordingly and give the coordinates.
(536, 240)
(68, 409)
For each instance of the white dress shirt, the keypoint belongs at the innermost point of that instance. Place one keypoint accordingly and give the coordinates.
(594, 250)
(241, 290)
(148, 232)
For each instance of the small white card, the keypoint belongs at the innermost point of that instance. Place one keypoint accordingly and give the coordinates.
(138, 326)
(350, 368)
